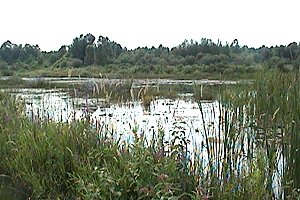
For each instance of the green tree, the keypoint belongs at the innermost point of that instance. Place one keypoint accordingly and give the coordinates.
(78, 47)
(10, 52)
(235, 47)
(89, 55)
(294, 50)
(104, 51)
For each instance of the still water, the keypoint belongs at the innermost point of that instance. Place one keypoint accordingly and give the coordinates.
(123, 121)
(200, 124)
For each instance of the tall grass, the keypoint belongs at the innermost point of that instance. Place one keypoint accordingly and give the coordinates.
(69, 161)
(269, 111)
(277, 112)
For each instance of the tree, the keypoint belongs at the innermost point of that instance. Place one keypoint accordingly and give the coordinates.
(106, 51)
(77, 49)
(89, 55)
(235, 46)
(10, 52)
(294, 50)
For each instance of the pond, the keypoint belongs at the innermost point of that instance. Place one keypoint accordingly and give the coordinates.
(180, 116)
(121, 119)
(203, 126)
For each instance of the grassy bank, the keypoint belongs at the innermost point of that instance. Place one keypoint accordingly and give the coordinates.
(152, 71)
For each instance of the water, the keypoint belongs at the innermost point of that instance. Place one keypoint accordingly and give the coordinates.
(136, 82)
(125, 121)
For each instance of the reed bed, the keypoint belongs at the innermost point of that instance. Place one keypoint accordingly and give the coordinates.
(266, 114)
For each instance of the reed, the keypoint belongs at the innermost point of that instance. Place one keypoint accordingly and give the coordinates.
(269, 113)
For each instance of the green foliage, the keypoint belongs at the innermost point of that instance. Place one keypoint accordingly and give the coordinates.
(69, 161)
(214, 57)
(77, 49)
(106, 51)
(11, 53)
(89, 55)
(75, 62)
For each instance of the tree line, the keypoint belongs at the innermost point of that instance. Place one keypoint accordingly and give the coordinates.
(87, 50)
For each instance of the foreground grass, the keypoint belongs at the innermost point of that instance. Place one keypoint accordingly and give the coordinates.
(69, 161)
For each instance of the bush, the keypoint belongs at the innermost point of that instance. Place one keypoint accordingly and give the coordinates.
(3, 65)
(75, 62)
(7, 72)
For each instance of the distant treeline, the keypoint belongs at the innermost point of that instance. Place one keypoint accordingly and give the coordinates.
(85, 50)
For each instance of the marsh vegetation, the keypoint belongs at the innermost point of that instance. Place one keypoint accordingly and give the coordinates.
(236, 141)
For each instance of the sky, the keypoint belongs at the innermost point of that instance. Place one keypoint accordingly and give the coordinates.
(139, 23)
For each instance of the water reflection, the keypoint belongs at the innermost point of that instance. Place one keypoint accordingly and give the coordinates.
(216, 144)
(125, 119)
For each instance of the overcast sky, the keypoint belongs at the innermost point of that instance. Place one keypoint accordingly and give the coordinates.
(133, 23)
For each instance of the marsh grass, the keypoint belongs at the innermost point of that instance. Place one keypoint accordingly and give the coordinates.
(45, 160)
(126, 71)
(250, 150)
(18, 82)
(277, 110)
(12, 81)
(270, 107)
